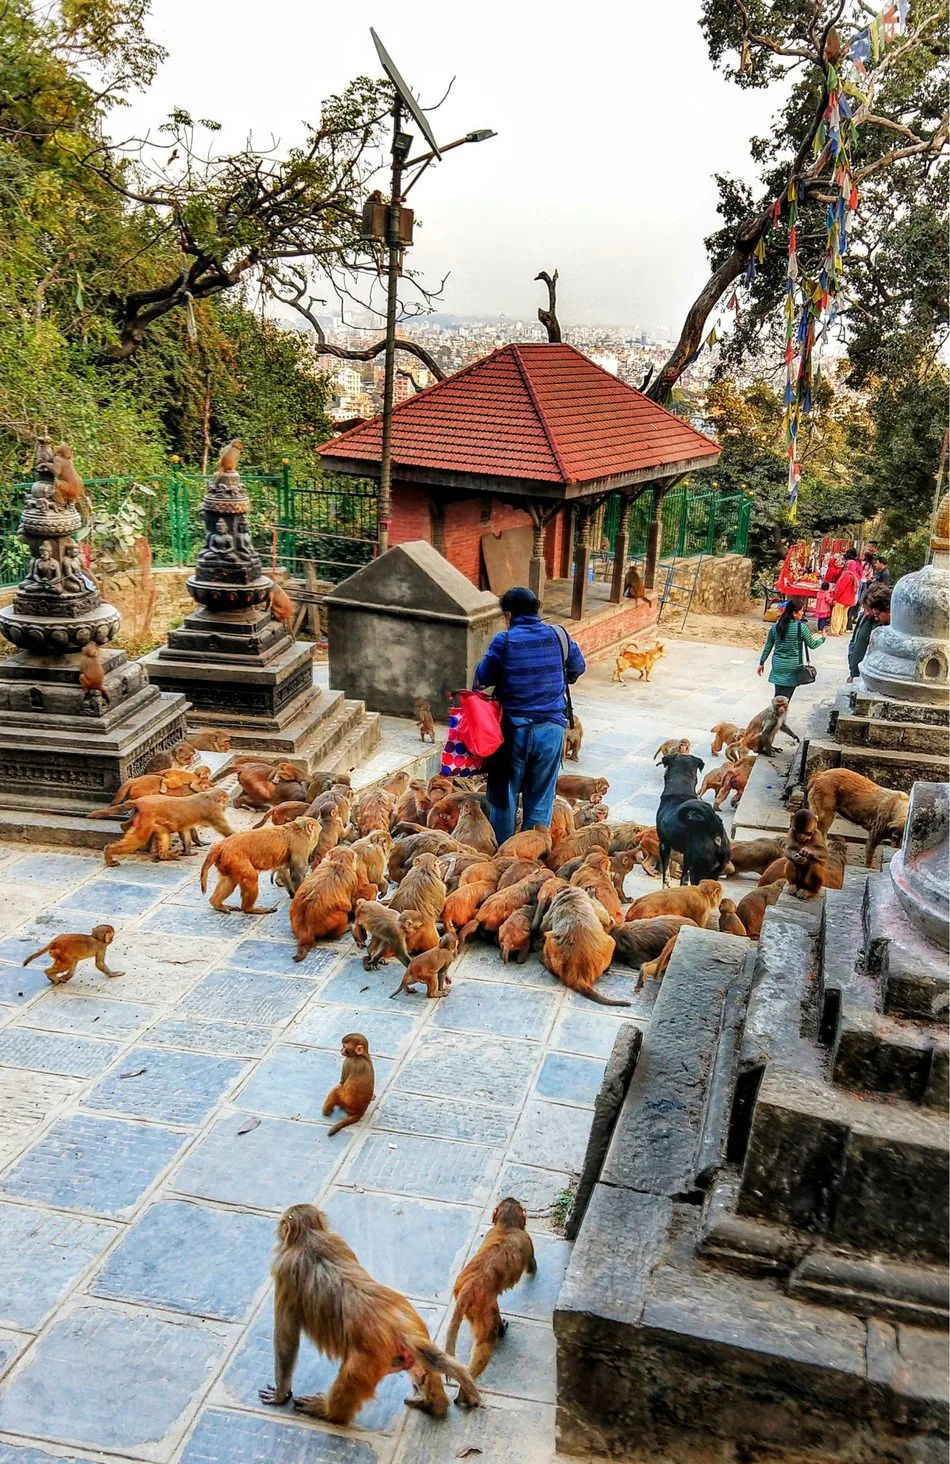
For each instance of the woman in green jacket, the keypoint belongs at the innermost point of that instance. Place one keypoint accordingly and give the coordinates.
(785, 643)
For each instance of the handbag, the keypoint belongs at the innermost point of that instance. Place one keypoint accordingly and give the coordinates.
(805, 672)
(474, 733)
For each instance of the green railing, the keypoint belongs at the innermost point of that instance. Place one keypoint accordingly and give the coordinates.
(704, 521)
(310, 528)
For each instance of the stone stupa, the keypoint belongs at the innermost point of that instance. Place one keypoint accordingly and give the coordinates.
(65, 748)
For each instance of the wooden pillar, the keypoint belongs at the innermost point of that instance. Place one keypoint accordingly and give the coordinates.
(620, 551)
(654, 542)
(536, 563)
(563, 567)
(581, 563)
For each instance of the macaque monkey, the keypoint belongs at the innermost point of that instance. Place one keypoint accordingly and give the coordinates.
(426, 722)
(66, 951)
(633, 585)
(396, 784)
(519, 869)
(723, 733)
(182, 755)
(92, 673)
(691, 900)
(594, 876)
(473, 827)
(729, 922)
(562, 821)
(228, 456)
(573, 738)
(386, 937)
(574, 787)
(638, 941)
(577, 949)
(753, 856)
(176, 782)
(760, 734)
(501, 1260)
(68, 485)
(514, 936)
(160, 816)
(321, 1289)
(620, 866)
(281, 606)
(493, 912)
(752, 907)
(373, 810)
(413, 805)
(806, 856)
(528, 844)
(320, 910)
(422, 889)
(576, 845)
(736, 776)
(593, 812)
(673, 747)
(421, 933)
(461, 905)
(407, 850)
(373, 849)
(210, 741)
(240, 860)
(713, 779)
(354, 1092)
(432, 968)
(263, 787)
(626, 835)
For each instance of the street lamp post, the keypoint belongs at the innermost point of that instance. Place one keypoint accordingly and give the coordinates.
(402, 142)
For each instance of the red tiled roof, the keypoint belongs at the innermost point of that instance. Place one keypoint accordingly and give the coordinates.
(539, 412)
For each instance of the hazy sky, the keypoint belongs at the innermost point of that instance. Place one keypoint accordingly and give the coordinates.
(610, 121)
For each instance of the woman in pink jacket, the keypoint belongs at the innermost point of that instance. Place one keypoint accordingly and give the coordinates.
(845, 595)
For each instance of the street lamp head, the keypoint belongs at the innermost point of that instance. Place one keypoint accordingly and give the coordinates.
(481, 134)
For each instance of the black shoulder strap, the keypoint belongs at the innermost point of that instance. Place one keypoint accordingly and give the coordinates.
(564, 641)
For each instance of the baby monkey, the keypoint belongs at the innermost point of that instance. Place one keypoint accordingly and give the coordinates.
(354, 1092)
(68, 950)
(498, 1264)
(432, 967)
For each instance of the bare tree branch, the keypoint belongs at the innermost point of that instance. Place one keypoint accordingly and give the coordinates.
(548, 318)
(355, 353)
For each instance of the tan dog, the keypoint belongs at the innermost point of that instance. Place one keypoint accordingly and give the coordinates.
(879, 810)
(632, 659)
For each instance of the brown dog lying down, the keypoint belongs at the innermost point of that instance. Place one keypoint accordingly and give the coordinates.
(879, 810)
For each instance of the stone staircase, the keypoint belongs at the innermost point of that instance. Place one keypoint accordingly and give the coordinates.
(763, 1259)
(878, 739)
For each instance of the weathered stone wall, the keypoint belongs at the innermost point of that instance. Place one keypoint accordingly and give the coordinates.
(723, 587)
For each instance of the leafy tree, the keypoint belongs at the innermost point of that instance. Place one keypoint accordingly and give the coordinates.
(901, 143)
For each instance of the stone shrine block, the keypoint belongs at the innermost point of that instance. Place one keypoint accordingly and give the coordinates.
(408, 627)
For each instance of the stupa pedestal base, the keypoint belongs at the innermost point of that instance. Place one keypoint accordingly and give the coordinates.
(63, 752)
(244, 673)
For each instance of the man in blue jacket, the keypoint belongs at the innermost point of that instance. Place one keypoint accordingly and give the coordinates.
(529, 664)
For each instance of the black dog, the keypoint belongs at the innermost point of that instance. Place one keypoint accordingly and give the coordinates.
(686, 826)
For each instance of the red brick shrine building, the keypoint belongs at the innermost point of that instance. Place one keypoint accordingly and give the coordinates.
(500, 467)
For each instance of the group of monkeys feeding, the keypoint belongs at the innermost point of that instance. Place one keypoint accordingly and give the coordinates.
(417, 870)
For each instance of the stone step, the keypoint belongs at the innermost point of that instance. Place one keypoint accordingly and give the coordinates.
(883, 1055)
(826, 1162)
(865, 704)
(843, 973)
(912, 972)
(898, 736)
(330, 731)
(356, 743)
(657, 1141)
(891, 769)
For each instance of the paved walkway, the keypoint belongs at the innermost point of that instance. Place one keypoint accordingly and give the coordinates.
(153, 1127)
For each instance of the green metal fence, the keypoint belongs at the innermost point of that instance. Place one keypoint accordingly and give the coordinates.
(702, 521)
(332, 529)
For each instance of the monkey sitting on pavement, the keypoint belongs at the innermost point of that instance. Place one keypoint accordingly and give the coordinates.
(386, 936)
(501, 1260)
(321, 1289)
(68, 950)
(760, 734)
(354, 1092)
